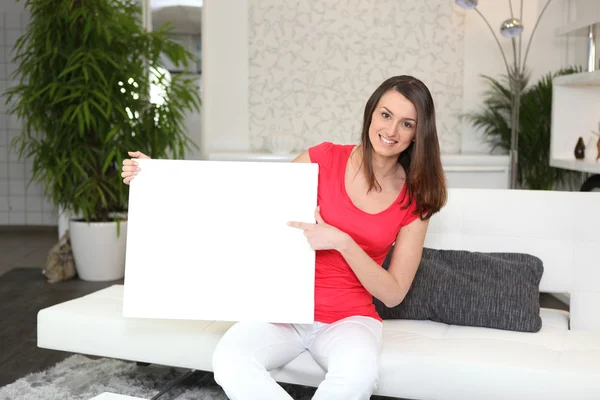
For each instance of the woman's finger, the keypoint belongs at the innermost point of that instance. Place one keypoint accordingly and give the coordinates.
(299, 225)
(125, 174)
(295, 224)
(137, 154)
(131, 168)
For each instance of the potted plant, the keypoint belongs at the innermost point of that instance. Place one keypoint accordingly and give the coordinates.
(535, 172)
(86, 70)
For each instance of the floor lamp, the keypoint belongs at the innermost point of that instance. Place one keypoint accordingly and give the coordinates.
(511, 29)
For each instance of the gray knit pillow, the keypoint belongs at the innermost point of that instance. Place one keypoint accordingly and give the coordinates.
(492, 290)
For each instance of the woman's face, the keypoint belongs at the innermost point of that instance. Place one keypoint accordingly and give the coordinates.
(393, 124)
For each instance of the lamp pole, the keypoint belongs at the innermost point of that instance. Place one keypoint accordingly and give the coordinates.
(512, 29)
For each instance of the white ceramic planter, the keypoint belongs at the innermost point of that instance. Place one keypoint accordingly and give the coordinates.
(99, 253)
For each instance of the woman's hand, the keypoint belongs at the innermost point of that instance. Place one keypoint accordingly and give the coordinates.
(321, 235)
(130, 167)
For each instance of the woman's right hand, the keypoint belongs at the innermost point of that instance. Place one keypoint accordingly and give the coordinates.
(130, 167)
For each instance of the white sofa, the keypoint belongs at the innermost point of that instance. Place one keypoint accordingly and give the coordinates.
(420, 359)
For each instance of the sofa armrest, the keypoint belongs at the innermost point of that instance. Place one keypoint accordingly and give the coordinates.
(585, 286)
(585, 311)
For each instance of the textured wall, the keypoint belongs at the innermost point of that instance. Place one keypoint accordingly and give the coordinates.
(314, 64)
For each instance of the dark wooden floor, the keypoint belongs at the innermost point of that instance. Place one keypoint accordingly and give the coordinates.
(23, 292)
(23, 246)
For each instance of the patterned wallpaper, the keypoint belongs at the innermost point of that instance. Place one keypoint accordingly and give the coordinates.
(313, 64)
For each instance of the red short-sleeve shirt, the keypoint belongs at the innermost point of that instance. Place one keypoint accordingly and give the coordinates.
(338, 292)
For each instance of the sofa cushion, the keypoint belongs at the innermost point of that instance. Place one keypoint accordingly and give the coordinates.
(492, 290)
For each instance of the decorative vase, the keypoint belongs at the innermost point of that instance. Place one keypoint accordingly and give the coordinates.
(580, 149)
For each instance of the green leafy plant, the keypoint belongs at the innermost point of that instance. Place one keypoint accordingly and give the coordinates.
(535, 111)
(85, 73)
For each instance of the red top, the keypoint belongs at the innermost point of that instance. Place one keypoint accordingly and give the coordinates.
(338, 292)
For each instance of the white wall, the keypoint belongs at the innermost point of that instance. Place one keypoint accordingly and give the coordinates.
(579, 39)
(19, 204)
(224, 75)
(230, 54)
(249, 61)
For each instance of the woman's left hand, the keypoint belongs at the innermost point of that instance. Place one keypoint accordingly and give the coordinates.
(321, 235)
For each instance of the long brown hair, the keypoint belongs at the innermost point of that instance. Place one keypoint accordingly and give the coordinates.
(425, 179)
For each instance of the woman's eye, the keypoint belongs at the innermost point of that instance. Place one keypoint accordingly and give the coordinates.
(385, 115)
(407, 124)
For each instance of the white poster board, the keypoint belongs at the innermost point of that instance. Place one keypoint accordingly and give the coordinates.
(209, 240)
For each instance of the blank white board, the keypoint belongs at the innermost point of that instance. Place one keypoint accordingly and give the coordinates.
(209, 240)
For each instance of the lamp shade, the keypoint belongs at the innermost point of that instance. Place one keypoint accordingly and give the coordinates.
(467, 4)
(511, 28)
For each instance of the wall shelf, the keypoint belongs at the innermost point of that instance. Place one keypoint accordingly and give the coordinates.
(580, 79)
(576, 165)
(576, 99)
(579, 23)
(575, 114)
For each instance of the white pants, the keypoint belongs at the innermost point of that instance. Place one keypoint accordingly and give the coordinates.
(347, 349)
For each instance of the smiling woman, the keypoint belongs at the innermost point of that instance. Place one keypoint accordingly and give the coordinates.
(371, 196)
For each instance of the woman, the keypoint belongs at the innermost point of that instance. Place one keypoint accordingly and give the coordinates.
(370, 196)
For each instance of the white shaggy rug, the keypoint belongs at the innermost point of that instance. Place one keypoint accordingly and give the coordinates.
(82, 378)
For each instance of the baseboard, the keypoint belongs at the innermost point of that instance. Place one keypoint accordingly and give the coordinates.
(563, 297)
